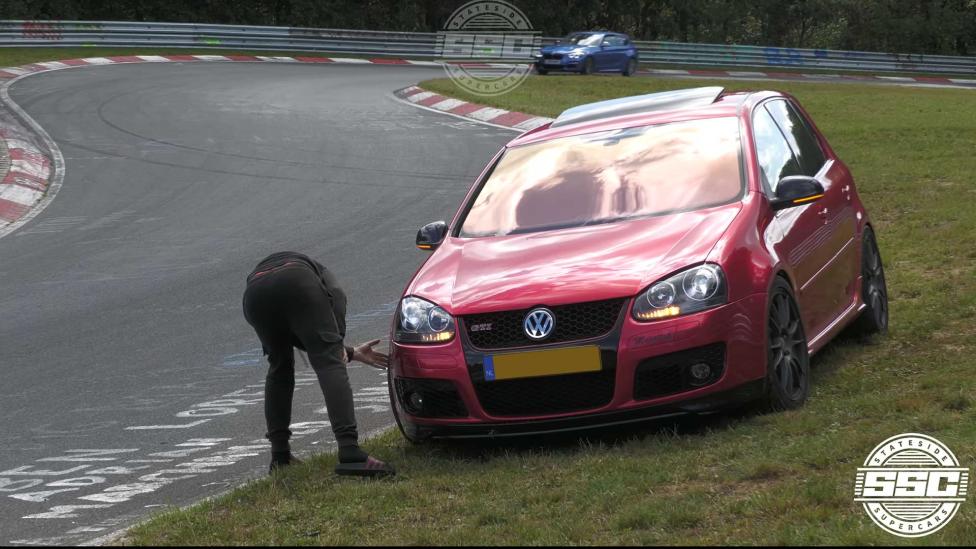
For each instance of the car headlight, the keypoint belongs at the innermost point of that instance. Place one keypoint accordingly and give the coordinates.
(420, 321)
(537, 55)
(576, 54)
(692, 290)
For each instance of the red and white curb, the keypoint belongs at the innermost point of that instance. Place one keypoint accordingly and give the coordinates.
(463, 109)
(26, 180)
(14, 72)
(34, 164)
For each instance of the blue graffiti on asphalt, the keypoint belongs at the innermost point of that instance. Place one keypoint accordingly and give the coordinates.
(255, 357)
(251, 357)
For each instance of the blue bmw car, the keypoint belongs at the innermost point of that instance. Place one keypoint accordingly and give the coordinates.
(589, 52)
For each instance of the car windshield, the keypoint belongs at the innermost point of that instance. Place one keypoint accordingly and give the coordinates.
(583, 39)
(608, 176)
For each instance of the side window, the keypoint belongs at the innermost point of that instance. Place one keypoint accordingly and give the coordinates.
(614, 40)
(799, 134)
(776, 159)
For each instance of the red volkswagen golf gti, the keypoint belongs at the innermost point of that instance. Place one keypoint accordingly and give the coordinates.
(655, 255)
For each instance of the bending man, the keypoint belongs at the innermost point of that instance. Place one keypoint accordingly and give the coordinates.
(291, 301)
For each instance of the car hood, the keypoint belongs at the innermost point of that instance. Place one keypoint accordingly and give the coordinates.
(562, 48)
(613, 260)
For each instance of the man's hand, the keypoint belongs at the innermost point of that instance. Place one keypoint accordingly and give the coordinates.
(365, 353)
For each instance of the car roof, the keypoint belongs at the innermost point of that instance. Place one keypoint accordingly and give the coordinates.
(606, 32)
(588, 32)
(643, 110)
(669, 100)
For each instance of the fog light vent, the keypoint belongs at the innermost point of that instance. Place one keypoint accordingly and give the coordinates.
(415, 402)
(678, 372)
(429, 398)
(700, 373)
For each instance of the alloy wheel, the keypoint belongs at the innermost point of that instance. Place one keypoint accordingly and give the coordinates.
(788, 364)
(786, 345)
(874, 289)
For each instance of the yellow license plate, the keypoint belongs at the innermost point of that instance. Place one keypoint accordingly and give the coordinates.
(549, 362)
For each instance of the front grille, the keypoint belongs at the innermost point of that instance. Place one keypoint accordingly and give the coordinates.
(546, 395)
(440, 398)
(670, 374)
(574, 322)
(552, 56)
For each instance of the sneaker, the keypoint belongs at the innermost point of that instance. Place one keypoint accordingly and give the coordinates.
(371, 468)
(277, 465)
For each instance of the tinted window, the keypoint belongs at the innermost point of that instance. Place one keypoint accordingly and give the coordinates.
(615, 41)
(775, 156)
(583, 39)
(801, 138)
(609, 176)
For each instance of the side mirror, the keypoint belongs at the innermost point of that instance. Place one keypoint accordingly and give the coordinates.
(431, 235)
(796, 190)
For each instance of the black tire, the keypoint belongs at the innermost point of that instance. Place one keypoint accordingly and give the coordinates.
(631, 68)
(874, 290)
(541, 72)
(788, 362)
(588, 66)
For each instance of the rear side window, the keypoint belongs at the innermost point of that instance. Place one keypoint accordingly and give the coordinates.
(800, 136)
(615, 40)
(776, 159)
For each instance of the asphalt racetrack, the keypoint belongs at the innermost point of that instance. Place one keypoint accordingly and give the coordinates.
(130, 379)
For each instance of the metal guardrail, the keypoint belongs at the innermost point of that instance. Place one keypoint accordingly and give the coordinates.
(424, 45)
(778, 58)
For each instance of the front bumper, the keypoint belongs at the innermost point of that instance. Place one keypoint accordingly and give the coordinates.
(565, 64)
(748, 392)
(738, 328)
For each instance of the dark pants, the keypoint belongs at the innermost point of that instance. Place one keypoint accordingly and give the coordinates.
(291, 307)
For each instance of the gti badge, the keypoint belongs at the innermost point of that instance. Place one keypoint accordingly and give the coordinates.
(539, 324)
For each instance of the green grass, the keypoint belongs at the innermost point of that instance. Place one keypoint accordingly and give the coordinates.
(550, 95)
(796, 69)
(744, 478)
